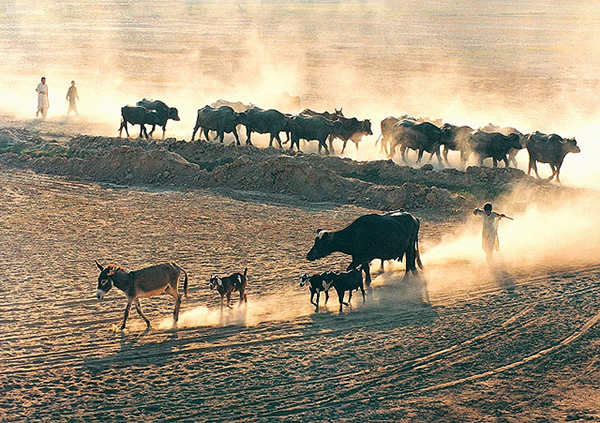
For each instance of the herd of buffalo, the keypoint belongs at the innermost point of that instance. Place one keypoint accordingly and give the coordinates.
(403, 133)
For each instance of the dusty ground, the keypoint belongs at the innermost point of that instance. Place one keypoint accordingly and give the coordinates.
(509, 345)
(517, 342)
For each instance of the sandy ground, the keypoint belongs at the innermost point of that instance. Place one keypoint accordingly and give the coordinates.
(517, 342)
(501, 345)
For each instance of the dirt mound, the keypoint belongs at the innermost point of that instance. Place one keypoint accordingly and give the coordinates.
(128, 166)
(381, 185)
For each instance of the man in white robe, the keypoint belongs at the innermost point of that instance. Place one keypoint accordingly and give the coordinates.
(43, 102)
(489, 234)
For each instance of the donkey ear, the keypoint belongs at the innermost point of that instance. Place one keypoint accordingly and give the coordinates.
(99, 265)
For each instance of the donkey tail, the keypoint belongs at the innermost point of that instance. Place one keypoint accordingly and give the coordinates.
(185, 281)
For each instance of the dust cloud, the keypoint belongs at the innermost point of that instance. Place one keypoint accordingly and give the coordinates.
(531, 66)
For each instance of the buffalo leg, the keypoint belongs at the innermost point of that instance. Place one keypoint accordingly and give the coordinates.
(324, 145)
(152, 130)
(123, 126)
(341, 299)
(138, 307)
(344, 146)
(330, 139)
(362, 289)
(206, 130)
(326, 296)
(229, 300)
(194, 132)
(366, 268)
(235, 134)
(276, 136)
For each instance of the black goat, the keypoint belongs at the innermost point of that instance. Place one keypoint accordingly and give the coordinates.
(226, 286)
(347, 281)
(317, 285)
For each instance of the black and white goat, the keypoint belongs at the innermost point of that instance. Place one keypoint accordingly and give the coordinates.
(318, 284)
(347, 281)
(226, 286)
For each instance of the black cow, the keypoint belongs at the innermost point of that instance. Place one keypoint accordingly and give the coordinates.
(550, 149)
(351, 129)
(457, 139)
(387, 125)
(312, 128)
(370, 237)
(424, 136)
(266, 122)
(507, 130)
(494, 145)
(222, 120)
(163, 112)
(137, 115)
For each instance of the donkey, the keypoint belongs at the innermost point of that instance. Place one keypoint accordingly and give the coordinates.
(227, 285)
(143, 283)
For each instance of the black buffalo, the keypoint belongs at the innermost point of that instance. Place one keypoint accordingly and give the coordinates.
(312, 128)
(351, 129)
(492, 144)
(373, 236)
(266, 122)
(137, 115)
(507, 130)
(422, 137)
(163, 112)
(457, 139)
(550, 149)
(222, 120)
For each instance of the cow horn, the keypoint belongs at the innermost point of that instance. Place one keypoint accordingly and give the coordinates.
(99, 265)
(320, 233)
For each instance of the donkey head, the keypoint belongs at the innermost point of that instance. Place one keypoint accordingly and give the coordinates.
(105, 281)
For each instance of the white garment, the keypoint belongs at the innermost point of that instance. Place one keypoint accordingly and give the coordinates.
(489, 235)
(42, 90)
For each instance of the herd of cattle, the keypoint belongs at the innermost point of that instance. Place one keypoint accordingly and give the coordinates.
(403, 133)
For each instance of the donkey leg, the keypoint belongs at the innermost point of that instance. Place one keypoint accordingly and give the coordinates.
(138, 307)
(129, 301)
(172, 291)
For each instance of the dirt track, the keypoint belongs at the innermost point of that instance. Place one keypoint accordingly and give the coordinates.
(516, 346)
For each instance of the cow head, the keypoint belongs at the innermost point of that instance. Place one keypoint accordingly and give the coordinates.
(215, 281)
(338, 112)
(570, 146)
(173, 113)
(322, 247)
(366, 126)
(514, 141)
(242, 118)
(105, 279)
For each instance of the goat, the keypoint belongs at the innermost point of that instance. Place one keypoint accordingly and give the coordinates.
(143, 283)
(347, 281)
(318, 284)
(226, 286)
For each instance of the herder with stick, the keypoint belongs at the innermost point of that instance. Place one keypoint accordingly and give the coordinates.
(489, 235)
